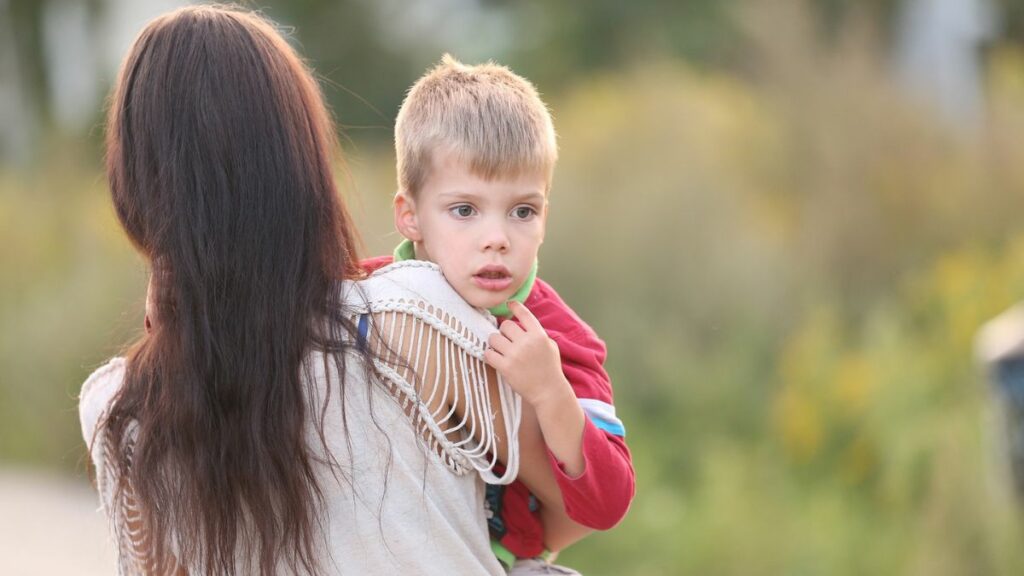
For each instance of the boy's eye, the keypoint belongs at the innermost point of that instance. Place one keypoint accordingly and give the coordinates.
(523, 212)
(462, 210)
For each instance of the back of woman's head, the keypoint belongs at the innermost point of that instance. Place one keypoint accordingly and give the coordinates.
(219, 141)
(219, 152)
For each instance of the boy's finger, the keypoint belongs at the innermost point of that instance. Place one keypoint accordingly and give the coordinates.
(498, 342)
(511, 330)
(494, 360)
(524, 316)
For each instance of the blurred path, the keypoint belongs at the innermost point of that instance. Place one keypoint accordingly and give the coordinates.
(49, 526)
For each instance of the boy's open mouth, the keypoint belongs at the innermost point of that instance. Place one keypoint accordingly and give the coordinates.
(495, 278)
(492, 274)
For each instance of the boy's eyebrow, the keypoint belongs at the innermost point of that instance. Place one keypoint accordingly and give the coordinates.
(458, 195)
(532, 196)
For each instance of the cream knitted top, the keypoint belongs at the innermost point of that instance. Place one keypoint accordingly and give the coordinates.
(417, 450)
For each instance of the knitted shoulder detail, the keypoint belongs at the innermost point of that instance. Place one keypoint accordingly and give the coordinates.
(433, 361)
(117, 501)
(133, 544)
(407, 265)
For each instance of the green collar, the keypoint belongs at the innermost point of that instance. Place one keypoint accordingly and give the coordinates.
(406, 251)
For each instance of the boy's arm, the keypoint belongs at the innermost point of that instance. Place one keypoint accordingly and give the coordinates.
(592, 467)
(536, 473)
(601, 496)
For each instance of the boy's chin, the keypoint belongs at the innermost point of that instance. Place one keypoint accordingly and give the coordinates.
(486, 302)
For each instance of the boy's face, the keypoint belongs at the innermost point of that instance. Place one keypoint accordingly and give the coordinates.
(483, 234)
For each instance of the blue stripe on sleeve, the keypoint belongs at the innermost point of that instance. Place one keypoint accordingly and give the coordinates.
(603, 416)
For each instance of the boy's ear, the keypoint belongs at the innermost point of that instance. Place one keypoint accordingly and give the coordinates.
(405, 217)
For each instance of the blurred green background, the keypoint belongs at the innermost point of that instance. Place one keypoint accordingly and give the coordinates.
(787, 219)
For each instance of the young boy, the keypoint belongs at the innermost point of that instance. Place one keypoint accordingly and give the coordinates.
(476, 150)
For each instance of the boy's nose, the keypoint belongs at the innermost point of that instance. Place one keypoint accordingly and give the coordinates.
(496, 241)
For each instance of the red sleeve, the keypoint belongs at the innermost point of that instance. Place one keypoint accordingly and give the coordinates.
(371, 265)
(601, 495)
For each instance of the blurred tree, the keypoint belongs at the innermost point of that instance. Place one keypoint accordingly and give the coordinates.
(1012, 18)
(580, 37)
(364, 78)
(27, 29)
(835, 13)
(577, 37)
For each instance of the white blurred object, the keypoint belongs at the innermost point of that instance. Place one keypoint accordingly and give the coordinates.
(1001, 337)
(939, 53)
(999, 347)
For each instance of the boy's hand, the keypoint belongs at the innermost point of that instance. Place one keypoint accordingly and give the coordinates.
(529, 361)
(526, 357)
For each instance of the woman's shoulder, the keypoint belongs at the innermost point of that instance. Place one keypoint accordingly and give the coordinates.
(419, 288)
(97, 392)
(465, 408)
(407, 279)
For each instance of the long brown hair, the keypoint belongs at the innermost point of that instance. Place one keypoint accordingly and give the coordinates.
(219, 151)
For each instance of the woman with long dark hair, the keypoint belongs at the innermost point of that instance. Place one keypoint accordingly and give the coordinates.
(282, 413)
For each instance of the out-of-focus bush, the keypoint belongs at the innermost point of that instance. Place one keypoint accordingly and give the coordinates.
(70, 293)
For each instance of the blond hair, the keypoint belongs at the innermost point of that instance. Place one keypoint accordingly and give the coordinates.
(488, 115)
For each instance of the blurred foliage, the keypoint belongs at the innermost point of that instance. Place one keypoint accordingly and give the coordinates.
(1013, 19)
(69, 296)
(788, 258)
(552, 42)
